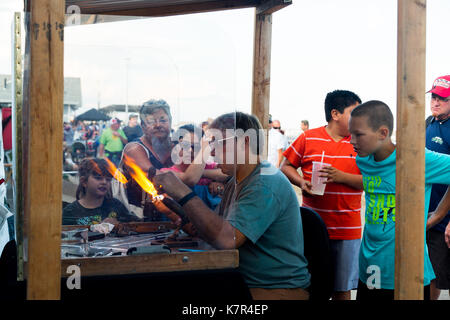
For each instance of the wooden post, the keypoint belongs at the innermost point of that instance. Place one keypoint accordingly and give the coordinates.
(410, 172)
(17, 120)
(261, 71)
(45, 136)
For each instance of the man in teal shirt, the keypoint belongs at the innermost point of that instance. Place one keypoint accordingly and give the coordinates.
(112, 142)
(259, 213)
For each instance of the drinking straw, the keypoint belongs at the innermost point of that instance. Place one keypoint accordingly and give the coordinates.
(323, 154)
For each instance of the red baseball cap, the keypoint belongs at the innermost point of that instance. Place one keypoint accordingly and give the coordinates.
(441, 86)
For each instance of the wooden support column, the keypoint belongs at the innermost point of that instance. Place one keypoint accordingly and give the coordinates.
(410, 174)
(45, 136)
(261, 71)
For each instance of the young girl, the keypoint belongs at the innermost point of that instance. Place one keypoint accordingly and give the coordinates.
(94, 203)
(205, 179)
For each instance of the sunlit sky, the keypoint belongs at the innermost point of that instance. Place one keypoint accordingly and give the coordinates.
(202, 63)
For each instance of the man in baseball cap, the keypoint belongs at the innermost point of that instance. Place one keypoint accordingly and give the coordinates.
(112, 142)
(438, 139)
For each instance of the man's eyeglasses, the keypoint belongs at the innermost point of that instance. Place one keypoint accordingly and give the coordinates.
(152, 122)
(214, 143)
(277, 128)
(435, 97)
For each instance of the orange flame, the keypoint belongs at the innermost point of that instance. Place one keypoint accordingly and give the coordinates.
(140, 177)
(115, 172)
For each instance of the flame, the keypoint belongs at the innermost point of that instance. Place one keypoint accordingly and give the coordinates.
(115, 172)
(140, 177)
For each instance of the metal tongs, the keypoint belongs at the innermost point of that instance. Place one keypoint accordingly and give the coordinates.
(172, 205)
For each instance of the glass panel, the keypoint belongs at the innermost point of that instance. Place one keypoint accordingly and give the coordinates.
(137, 93)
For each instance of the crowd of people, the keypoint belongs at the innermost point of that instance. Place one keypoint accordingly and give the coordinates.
(235, 199)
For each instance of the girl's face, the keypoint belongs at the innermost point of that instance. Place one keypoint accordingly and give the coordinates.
(189, 142)
(97, 186)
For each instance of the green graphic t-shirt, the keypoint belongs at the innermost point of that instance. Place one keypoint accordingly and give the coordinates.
(378, 242)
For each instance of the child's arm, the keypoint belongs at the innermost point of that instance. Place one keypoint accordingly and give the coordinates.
(441, 210)
(337, 176)
(215, 174)
(294, 177)
(192, 174)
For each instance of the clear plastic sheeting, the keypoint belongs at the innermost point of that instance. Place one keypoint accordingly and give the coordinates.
(139, 96)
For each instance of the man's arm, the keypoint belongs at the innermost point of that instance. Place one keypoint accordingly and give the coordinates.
(447, 235)
(121, 136)
(294, 177)
(280, 157)
(441, 211)
(212, 228)
(138, 154)
(101, 150)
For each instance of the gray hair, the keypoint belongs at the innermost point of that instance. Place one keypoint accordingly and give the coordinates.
(151, 106)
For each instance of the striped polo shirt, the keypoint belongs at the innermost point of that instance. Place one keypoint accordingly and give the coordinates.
(340, 206)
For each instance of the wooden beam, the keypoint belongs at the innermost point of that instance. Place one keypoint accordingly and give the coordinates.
(167, 262)
(271, 6)
(261, 72)
(45, 135)
(410, 171)
(157, 8)
(261, 68)
(17, 133)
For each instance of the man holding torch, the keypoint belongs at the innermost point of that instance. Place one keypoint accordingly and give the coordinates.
(259, 213)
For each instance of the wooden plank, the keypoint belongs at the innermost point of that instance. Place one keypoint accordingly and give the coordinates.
(271, 6)
(167, 262)
(155, 8)
(261, 72)
(45, 136)
(17, 133)
(410, 180)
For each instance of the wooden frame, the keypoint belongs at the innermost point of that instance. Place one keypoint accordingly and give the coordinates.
(410, 170)
(42, 134)
(43, 168)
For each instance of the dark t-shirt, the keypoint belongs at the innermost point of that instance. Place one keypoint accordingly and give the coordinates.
(133, 133)
(76, 214)
(438, 140)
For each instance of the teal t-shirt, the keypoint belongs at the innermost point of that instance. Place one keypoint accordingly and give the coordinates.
(112, 143)
(265, 209)
(378, 242)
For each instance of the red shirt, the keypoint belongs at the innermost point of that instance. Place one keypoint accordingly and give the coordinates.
(7, 129)
(340, 206)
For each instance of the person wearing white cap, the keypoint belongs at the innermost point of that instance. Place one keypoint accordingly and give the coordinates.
(112, 142)
(438, 140)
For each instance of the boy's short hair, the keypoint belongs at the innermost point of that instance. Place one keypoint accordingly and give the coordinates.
(339, 100)
(378, 114)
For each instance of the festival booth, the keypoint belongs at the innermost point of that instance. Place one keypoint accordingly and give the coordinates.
(51, 257)
(38, 119)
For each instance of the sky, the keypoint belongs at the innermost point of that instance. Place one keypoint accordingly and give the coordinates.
(201, 64)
